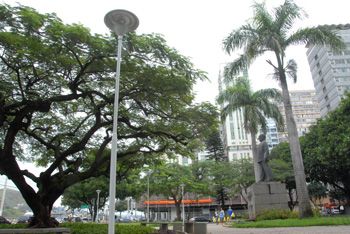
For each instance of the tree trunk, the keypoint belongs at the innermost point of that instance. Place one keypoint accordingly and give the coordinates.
(178, 210)
(256, 166)
(294, 144)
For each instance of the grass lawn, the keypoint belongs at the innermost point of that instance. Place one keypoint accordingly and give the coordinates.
(315, 221)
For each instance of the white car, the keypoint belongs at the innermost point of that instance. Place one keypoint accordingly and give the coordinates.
(335, 211)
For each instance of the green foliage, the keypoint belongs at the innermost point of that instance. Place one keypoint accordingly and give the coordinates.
(243, 176)
(276, 214)
(282, 168)
(326, 149)
(317, 191)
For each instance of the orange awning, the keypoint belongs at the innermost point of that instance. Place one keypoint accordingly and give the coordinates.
(172, 202)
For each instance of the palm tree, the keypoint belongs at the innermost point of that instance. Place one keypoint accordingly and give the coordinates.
(271, 32)
(256, 107)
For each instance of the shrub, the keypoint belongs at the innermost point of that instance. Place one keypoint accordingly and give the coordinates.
(94, 228)
(91, 228)
(276, 214)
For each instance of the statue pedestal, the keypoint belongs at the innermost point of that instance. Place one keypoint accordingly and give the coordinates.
(266, 196)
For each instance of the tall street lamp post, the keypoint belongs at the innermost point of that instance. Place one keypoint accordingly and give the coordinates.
(183, 207)
(3, 197)
(120, 22)
(97, 204)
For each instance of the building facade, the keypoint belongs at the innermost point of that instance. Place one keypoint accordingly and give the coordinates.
(330, 71)
(305, 109)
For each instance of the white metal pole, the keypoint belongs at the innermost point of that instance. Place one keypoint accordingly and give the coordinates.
(148, 197)
(97, 204)
(3, 197)
(113, 164)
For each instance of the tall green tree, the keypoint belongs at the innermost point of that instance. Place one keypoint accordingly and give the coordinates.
(221, 177)
(215, 147)
(56, 103)
(255, 106)
(242, 173)
(282, 168)
(272, 32)
(168, 179)
(326, 149)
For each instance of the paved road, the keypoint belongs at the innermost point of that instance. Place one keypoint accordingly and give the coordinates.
(218, 229)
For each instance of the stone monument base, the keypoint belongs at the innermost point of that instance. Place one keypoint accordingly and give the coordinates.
(266, 196)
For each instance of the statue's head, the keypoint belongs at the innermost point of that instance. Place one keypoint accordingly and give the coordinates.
(261, 137)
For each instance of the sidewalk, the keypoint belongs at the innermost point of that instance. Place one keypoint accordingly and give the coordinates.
(219, 229)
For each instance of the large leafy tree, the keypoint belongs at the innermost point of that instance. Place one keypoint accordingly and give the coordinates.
(255, 106)
(272, 32)
(56, 103)
(167, 180)
(326, 149)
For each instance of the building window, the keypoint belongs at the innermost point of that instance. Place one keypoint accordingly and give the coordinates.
(324, 90)
(320, 72)
(328, 107)
(322, 81)
(326, 97)
(339, 61)
(318, 65)
(316, 57)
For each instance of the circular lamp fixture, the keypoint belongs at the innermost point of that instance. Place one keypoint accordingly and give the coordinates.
(121, 21)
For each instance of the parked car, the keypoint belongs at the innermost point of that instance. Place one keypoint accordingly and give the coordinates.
(335, 211)
(24, 219)
(3, 220)
(200, 219)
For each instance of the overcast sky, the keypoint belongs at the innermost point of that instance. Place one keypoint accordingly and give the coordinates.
(196, 29)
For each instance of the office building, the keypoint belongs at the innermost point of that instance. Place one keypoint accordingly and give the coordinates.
(330, 71)
(305, 109)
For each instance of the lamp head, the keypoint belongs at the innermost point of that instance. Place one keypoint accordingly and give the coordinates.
(121, 21)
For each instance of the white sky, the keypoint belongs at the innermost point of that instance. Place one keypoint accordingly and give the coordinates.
(196, 29)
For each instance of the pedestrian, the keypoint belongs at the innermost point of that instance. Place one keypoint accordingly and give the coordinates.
(216, 215)
(222, 216)
(229, 212)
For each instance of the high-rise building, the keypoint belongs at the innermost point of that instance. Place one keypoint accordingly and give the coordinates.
(330, 71)
(237, 142)
(305, 109)
(272, 138)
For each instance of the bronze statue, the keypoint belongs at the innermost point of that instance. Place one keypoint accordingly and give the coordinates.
(262, 159)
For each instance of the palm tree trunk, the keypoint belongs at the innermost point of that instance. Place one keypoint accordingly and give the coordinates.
(256, 167)
(297, 159)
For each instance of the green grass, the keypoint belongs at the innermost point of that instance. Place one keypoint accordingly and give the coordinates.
(315, 221)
